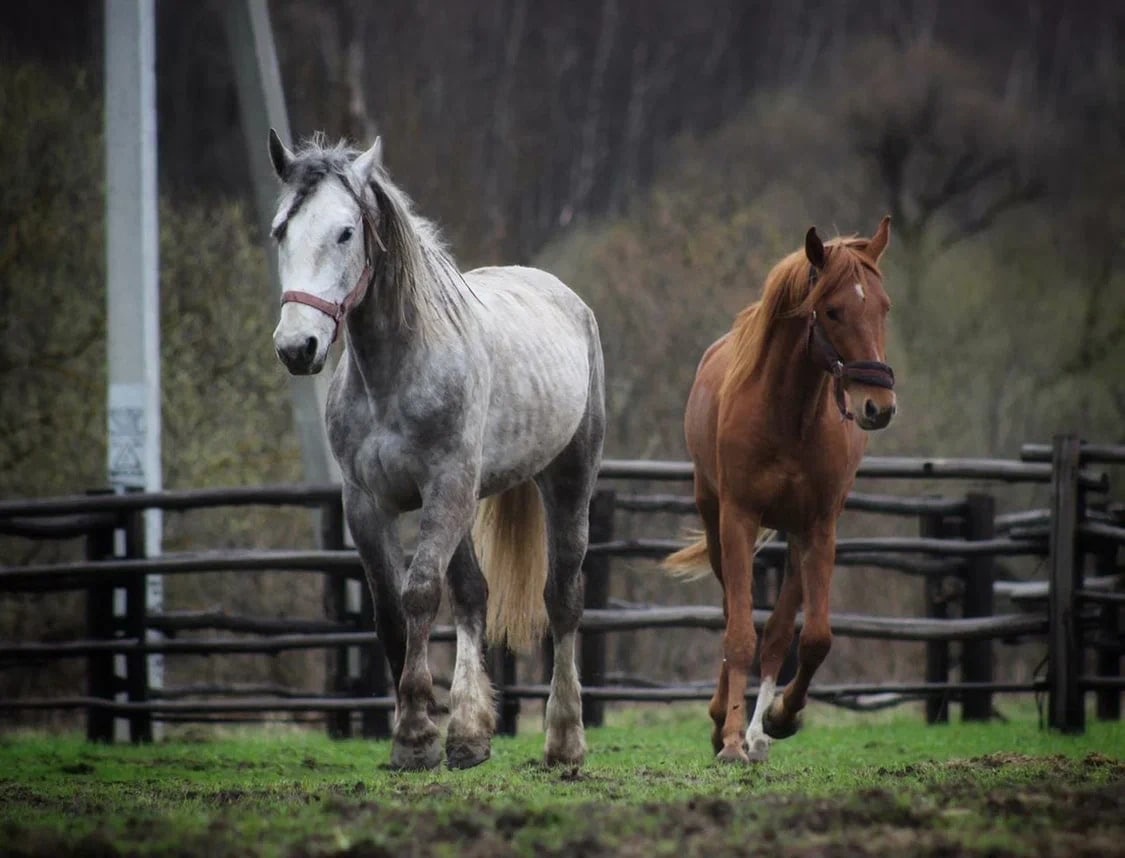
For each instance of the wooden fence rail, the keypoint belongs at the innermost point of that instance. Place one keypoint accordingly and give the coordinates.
(959, 540)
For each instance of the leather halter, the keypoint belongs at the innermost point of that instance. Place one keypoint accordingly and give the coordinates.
(870, 372)
(337, 311)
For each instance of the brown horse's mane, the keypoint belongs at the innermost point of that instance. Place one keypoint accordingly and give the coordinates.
(787, 295)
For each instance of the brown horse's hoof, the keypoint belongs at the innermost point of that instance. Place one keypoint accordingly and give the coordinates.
(733, 753)
(775, 723)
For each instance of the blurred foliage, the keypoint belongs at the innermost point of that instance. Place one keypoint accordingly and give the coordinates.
(1012, 331)
(226, 416)
(1003, 171)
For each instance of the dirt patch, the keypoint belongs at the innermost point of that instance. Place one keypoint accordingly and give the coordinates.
(998, 805)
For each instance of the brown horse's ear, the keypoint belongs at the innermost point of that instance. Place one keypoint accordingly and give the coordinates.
(814, 249)
(880, 239)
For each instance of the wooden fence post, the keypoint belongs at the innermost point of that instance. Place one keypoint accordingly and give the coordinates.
(374, 680)
(502, 670)
(337, 679)
(932, 525)
(100, 680)
(136, 626)
(592, 658)
(1064, 640)
(980, 575)
(1109, 656)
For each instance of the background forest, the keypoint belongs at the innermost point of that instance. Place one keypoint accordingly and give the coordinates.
(657, 155)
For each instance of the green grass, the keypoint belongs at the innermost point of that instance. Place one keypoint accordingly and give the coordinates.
(650, 787)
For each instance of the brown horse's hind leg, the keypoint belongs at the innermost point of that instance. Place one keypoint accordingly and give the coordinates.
(738, 532)
(817, 560)
(709, 511)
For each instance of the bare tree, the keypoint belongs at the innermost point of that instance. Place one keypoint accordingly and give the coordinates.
(948, 156)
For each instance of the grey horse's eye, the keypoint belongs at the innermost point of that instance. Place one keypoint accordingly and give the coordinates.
(345, 235)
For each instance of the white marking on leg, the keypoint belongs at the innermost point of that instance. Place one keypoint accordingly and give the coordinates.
(757, 742)
(470, 695)
(564, 706)
(566, 740)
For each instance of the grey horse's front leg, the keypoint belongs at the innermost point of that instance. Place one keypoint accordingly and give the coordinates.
(447, 508)
(376, 538)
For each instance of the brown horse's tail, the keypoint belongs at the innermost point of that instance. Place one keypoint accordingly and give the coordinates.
(693, 561)
(510, 534)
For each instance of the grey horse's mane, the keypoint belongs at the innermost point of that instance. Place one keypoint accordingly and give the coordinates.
(418, 283)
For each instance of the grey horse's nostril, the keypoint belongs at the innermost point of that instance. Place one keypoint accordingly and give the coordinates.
(310, 348)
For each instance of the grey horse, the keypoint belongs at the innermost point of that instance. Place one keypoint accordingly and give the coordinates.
(476, 397)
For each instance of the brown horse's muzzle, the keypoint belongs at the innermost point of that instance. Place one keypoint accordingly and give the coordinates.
(876, 408)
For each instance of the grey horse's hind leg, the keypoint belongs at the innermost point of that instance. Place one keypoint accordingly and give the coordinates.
(567, 486)
(472, 718)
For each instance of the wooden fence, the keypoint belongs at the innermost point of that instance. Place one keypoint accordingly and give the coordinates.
(958, 543)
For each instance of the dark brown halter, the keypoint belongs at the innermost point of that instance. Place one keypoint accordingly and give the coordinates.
(870, 372)
(337, 311)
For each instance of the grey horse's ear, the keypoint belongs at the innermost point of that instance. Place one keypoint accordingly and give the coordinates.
(280, 157)
(366, 163)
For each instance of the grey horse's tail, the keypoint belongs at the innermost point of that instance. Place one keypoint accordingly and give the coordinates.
(510, 535)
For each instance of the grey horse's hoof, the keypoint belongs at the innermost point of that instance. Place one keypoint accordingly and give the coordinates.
(416, 756)
(466, 753)
(775, 725)
(565, 747)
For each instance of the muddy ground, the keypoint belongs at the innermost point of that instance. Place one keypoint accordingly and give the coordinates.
(1070, 808)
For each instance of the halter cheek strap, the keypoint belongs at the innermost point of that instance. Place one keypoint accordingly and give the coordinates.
(869, 372)
(337, 311)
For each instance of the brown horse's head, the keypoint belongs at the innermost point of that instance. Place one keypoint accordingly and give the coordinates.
(847, 311)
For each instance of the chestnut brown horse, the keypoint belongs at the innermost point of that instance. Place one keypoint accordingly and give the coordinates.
(776, 426)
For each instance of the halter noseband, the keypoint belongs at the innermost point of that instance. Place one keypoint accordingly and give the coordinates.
(337, 311)
(870, 372)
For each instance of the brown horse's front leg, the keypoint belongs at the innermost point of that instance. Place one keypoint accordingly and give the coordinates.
(738, 530)
(776, 638)
(818, 558)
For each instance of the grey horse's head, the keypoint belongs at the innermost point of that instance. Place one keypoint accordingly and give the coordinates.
(321, 249)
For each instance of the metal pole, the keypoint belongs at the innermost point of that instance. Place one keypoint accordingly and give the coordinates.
(132, 271)
(261, 102)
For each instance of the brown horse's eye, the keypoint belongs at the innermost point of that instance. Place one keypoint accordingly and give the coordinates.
(833, 314)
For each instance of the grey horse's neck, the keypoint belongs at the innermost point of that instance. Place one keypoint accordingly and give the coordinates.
(378, 346)
(418, 298)
(384, 344)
